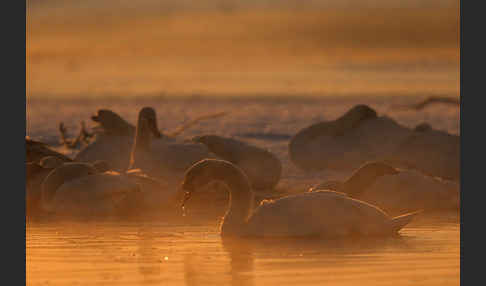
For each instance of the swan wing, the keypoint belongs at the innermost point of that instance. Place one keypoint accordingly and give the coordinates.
(323, 213)
(99, 192)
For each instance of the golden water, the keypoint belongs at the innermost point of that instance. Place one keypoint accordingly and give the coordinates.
(156, 253)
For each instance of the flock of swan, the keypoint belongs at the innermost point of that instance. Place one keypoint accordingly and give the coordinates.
(129, 169)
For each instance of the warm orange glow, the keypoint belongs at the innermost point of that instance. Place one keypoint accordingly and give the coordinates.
(258, 50)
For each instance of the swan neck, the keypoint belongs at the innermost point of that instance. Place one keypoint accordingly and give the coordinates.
(240, 203)
(357, 184)
(49, 187)
(142, 140)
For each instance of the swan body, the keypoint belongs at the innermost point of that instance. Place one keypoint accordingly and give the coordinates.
(430, 151)
(397, 190)
(323, 213)
(79, 189)
(35, 151)
(261, 166)
(113, 124)
(114, 149)
(347, 142)
(112, 143)
(154, 196)
(115, 140)
(165, 159)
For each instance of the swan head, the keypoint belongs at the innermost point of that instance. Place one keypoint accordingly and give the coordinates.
(422, 127)
(365, 176)
(200, 174)
(214, 143)
(148, 117)
(377, 168)
(205, 171)
(204, 139)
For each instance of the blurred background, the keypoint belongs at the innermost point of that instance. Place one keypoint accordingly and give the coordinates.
(234, 47)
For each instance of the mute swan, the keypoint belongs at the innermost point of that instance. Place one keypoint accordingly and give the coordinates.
(396, 190)
(166, 160)
(433, 152)
(347, 142)
(323, 213)
(35, 173)
(35, 151)
(114, 139)
(261, 166)
(113, 124)
(79, 189)
(112, 143)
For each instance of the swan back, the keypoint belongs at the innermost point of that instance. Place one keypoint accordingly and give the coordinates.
(61, 175)
(99, 193)
(261, 166)
(113, 124)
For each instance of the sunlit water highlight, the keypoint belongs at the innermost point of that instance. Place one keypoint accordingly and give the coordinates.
(156, 253)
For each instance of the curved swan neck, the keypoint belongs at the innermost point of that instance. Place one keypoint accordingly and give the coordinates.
(240, 201)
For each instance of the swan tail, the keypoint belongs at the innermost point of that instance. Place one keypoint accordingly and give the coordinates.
(400, 221)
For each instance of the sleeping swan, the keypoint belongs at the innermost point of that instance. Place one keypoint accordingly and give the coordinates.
(358, 136)
(80, 189)
(324, 213)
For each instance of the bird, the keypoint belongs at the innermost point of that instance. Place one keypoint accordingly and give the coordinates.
(78, 189)
(36, 150)
(324, 214)
(261, 166)
(114, 137)
(430, 101)
(433, 152)
(163, 159)
(358, 136)
(396, 190)
(112, 143)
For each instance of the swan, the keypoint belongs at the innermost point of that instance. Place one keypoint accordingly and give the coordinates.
(433, 152)
(80, 189)
(113, 124)
(358, 136)
(323, 213)
(36, 150)
(153, 196)
(396, 190)
(261, 166)
(35, 173)
(162, 159)
(114, 138)
(112, 143)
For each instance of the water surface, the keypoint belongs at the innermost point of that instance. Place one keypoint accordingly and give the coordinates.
(158, 253)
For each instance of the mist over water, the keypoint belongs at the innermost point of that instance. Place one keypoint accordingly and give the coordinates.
(233, 47)
(275, 67)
